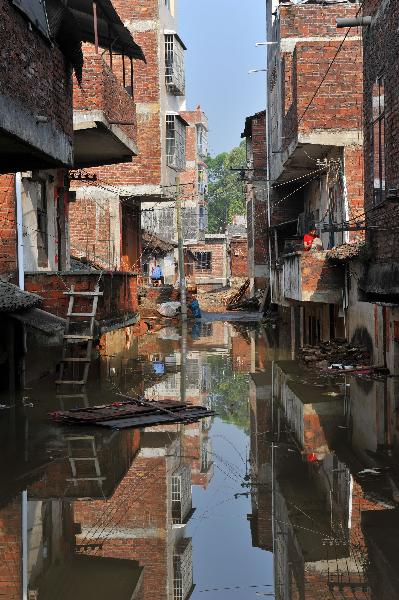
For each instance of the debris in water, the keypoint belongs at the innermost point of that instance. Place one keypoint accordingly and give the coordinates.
(133, 413)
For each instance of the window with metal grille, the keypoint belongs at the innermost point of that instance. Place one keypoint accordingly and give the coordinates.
(203, 261)
(378, 139)
(206, 454)
(175, 143)
(202, 140)
(183, 569)
(175, 78)
(202, 218)
(181, 494)
(202, 180)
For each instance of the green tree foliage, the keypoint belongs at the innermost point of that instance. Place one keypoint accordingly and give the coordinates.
(225, 189)
(230, 391)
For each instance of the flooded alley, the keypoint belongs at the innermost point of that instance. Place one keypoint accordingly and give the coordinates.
(289, 492)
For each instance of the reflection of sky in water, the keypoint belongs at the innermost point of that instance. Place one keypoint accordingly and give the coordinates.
(223, 555)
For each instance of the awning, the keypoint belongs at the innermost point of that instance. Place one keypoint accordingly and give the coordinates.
(12, 298)
(112, 33)
(41, 320)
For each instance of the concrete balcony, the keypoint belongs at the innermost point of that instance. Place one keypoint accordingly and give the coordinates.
(310, 277)
(104, 117)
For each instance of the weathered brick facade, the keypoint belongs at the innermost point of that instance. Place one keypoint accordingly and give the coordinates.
(10, 551)
(8, 229)
(118, 302)
(316, 161)
(102, 89)
(33, 72)
(238, 250)
(194, 179)
(210, 270)
(256, 200)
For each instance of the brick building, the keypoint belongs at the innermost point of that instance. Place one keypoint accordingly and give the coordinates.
(144, 519)
(372, 277)
(316, 156)
(341, 553)
(194, 179)
(124, 195)
(256, 200)
(210, 265)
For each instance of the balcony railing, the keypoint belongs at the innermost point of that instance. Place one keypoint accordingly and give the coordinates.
(309, 277)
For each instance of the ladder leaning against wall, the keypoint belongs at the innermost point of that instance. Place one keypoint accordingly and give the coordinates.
(78, 338)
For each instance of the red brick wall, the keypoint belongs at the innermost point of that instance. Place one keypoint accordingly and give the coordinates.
(239, 258)
(217, 261)
(101, 89)
(338, 102)
(318, 275)
(119, 299)
(90, 226)
(34, 72)
(139, 502)
(259, 144)
(381, 57)
(8, 232)
(10, 552)
(146, 167)
(240, 354)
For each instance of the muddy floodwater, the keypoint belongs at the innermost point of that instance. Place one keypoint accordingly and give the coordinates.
(290, 492)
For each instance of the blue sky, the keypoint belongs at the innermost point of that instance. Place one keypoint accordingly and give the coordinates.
(220, 36)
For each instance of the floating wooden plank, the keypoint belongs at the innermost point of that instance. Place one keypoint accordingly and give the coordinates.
(133, 413)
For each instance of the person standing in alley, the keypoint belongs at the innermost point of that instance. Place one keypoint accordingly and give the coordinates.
(157, 275)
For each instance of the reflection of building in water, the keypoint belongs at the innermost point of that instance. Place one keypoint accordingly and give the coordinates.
(39, 562)
(334, 530)
(91, 464)
(145, 518)
(197, 443)
(260, 460)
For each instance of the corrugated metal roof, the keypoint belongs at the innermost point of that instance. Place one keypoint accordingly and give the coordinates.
(12, 298)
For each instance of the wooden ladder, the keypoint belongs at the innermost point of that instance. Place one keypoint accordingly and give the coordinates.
(71, 340)
(93, 458)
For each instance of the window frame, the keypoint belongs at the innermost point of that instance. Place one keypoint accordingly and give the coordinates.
(175, 142)
(378, 131)
(203, 261)
(175, 76)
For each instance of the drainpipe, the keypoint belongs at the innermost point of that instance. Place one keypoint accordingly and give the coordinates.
(20, 233)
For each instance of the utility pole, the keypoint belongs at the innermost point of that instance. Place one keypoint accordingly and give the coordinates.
(182, 275)
(269, 23)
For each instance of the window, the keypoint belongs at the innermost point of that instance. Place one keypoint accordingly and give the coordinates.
(175, 143)
(181, 494)
(202, 140)
(42, 230)
(175, 78)
(203, 261)
(202, 218)
(202, 180)
(183, 569)
(378, 140)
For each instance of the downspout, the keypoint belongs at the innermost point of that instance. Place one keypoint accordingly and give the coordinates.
(20, 232)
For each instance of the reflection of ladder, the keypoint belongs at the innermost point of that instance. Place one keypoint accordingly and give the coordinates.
(74, 460)
(79, 400)
(74, 338)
